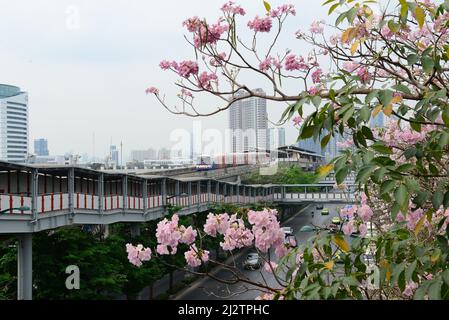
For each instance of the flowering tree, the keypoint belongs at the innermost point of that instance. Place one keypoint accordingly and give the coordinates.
(391, 59)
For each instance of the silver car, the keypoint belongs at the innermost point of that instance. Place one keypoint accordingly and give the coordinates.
(252, 262)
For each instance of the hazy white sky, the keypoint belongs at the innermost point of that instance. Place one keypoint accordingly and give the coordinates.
(89, 76)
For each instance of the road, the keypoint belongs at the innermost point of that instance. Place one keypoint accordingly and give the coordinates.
(210, 289)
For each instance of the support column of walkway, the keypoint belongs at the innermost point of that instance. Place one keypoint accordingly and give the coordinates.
(25, 267)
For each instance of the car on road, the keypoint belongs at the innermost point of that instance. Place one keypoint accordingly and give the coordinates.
(333, 228)
(287, 231)
(319, 207)
(336, 220)
(325, 212)
(252, 262)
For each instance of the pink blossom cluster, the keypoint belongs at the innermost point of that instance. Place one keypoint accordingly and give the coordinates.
(270, 266)
(237, 236)
(395, 135)
(316, 75)
(364, 75)
(317, 27)
(409, 289)
(186, 68)
(169, 234)
(314, 90)
(297, 120)
(350, 66)
(217, 61)
(204, 33)
(216, 224)
(186, 93)
(138, 254)
(232, 9)
(152, 90)
(267, 230)
(293, 63)
(285, 9)
(349, 214)
(192, 24)
(261, 24)
(195, 257)
(351, 227)
(205, 80)
(268, 62)
(345, 144)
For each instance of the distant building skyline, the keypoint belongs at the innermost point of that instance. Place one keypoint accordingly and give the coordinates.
(41, 147)
(277, 138)
(248, 122)
(114, 153)
(14, 126)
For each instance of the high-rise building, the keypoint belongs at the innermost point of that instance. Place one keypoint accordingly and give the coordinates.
(248, 123)
(142, 155)
(114, 154)
(164, 154)
(41, 147)
(13, 124)
(332, 149)
(277, 138)
(378, 121)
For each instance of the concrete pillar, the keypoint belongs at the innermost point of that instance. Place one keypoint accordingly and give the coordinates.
(164, 192)
(145, 194)
(189, 191)
(135, 230)
(209, 190)
(178, 192)
(100, 193)
(125, 192)
(198, 191)
(25, 267)
(34, 191)
(71, 187)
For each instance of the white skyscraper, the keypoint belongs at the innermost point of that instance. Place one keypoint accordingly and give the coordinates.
(13, 124)
(249, 124)
(277, 138)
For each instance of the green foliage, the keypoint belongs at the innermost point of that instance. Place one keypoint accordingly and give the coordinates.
(285, 175)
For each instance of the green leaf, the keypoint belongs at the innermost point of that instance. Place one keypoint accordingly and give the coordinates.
(267, 6)
(420, 16)
(437, 199)
(385, 97)
(435, 290)
(410, 270)
(412, 59)
(446, 200)
(370, 96)
(428, 64)
(325, 141)
(364, 173)
(368, 133)
(382, 149)
(402, 88)
(365, 113)
(387, 186)
(421, 198)
(316, 100)
(333, 7)
(410, 153)
(401, 195)
(341, 175)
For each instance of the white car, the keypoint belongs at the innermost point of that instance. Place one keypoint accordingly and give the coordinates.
(287, 231)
